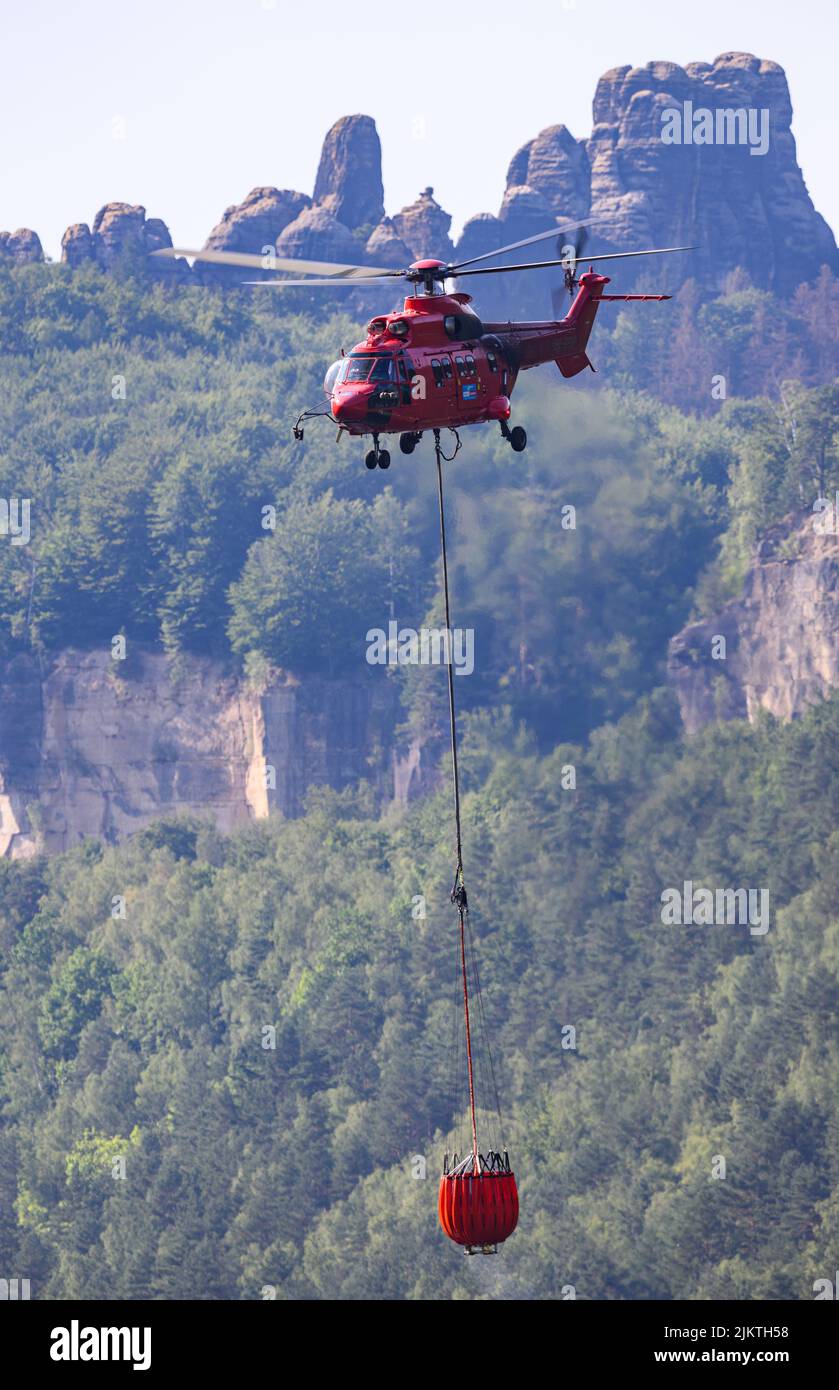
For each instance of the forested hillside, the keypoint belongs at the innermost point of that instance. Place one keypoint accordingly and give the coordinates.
(143, 1037)
(157, 1139)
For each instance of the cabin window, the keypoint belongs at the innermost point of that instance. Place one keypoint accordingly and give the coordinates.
(461, 371)
(470, 364)
(447, 368)
(492, 362)
(437, 369)
(406, 373)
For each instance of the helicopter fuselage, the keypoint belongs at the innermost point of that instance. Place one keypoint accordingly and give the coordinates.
(435, 365)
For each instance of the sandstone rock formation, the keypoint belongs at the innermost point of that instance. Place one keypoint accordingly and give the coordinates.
(781, 636)
(122, 235)
(257, 221)
(77, 245)
(555, 165)
(483, 232)
(22, 247)
(317, 235)
(424, 226)
(386, 247)
(741, 209)
(86, 749)
(525, 212)
(347, 210)
(250, 226)
(349, 177)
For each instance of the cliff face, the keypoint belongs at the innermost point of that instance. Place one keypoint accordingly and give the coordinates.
(86, 749)
(781, 637)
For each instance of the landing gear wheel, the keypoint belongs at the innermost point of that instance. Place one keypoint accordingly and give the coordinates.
(407, 443)
(384, 458)
(518, 439)
(371, 459)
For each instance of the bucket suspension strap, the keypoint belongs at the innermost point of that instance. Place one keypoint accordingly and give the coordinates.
(458, 894)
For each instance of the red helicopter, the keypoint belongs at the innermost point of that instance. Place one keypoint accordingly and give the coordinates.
(433, 364)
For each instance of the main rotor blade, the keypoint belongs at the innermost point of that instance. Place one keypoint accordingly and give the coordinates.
(573, 261)
(528, 241)
(335, 282)
(269, 262)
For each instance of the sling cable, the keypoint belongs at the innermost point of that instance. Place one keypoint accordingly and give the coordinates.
(478, 1201)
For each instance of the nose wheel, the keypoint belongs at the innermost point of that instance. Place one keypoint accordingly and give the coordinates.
(516, 437)
(377, 458)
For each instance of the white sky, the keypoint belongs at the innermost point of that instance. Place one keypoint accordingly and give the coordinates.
(220, 95)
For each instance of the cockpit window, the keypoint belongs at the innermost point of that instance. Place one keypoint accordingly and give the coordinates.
(359, 368)
(333, 376)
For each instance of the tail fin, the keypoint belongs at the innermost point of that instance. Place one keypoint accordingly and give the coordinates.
(581, 317)
(583, 311)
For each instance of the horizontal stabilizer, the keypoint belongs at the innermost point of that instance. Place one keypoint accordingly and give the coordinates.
(636, 296)
(570, 366)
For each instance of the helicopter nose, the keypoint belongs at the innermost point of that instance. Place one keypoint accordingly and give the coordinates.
(349, 407)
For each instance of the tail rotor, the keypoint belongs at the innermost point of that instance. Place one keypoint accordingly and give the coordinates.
(570, 253)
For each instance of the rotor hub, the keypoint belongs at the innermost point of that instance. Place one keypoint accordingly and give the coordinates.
(430, 274)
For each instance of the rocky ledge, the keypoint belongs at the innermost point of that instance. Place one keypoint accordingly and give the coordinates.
(91, 746)
(777, 646)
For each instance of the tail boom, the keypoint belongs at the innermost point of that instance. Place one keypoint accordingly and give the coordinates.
(562, 341)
